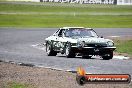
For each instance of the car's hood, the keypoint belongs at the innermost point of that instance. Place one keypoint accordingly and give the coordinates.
(93, 40)
(88, 40)
(80, 39)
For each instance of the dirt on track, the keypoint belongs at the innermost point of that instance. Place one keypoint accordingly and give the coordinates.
(44, 78)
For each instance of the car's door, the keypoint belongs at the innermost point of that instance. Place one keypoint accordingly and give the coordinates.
(58, 41)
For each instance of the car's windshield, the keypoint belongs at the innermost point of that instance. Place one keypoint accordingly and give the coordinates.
(80, 32)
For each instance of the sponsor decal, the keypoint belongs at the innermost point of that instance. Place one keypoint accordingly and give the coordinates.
(84, 1)
(83, 78)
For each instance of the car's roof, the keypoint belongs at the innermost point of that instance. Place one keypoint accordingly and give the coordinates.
(75, 27)
(72, 27)
(88, 28)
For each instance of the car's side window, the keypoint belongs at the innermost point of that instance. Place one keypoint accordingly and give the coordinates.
(60, 32)
(56, 33)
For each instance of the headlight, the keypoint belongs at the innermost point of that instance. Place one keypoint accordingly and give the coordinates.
(109, 43)
(81, 44)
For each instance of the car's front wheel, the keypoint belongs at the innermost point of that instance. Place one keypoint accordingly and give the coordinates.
(69, 52)
(49, 50)
(108, 56)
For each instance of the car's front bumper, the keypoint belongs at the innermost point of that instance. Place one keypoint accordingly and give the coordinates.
(93, 50)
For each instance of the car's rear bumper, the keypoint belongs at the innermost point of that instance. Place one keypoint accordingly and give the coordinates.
(93, 50)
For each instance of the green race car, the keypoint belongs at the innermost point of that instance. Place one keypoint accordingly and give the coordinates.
(73, 41)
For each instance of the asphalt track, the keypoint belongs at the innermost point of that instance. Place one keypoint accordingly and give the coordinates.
(24, 45)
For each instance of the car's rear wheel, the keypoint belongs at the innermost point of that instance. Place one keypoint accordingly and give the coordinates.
(108, 56)
(69, 52)
(49, 50)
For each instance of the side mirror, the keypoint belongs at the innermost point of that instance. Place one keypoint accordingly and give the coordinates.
(60, 35)
(101, 36)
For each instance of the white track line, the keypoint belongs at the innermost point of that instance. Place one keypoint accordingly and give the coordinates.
(121, 57)
(114, 36)
(65, 13)
(38, 46)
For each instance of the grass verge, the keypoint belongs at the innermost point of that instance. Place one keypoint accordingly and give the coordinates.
(65, 20)
(124, 46)
(59, 15)
(62, 7)
(17, 85)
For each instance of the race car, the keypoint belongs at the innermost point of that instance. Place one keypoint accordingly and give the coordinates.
(73, 41)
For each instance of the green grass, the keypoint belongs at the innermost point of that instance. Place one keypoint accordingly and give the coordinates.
(64, 20)
(58, 7)
(2, 0)
(17, 85)
(59, 15)
(124, 46)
